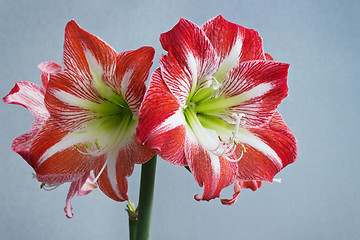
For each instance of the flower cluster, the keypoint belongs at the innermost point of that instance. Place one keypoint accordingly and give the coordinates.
(211, 106)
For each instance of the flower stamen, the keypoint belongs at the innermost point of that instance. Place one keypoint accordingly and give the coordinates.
(49, 187)
(101, 171)
(228, 147)
(88, 147)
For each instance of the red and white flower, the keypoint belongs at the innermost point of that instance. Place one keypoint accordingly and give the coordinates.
(212, 106)
(85, 116)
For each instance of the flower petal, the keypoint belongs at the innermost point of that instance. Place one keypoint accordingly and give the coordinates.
(227, 39)
(165, 130)
(55, 157)
(191, 60)
(89, 62)
(115, 166)
(131, 72)
(268, 150)
(112, 180)
(71, 102)
(210, 171)
(233, 43)
(238, 186)
(81, 187)
(87, 55)
(46, 69)
(31, 96)
(268, 57)
(255, 89)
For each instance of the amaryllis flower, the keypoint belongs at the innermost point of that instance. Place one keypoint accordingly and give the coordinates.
(85, 116)
(212, 105)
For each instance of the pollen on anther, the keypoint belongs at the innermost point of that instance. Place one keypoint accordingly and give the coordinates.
(97, 144)
(243, 148)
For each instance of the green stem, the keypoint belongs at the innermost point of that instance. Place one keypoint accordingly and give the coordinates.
(146, 199)
(132, 229)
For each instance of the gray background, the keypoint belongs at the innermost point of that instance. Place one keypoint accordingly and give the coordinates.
(319, 195)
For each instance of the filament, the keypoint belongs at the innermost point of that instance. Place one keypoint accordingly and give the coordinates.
(101, 171)
(228, 147)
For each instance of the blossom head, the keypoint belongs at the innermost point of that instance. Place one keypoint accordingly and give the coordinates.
(85, 114)
(215, 97)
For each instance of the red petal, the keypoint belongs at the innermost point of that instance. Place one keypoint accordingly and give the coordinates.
(268, 57)
(196, 59)
(131, 72)
(134, 152)
(178, 79)
(252, 48)
(46, 69)
(54, 157)
(259, 165)
(119, 166)
(31, 96)
(260, 87)
(210, 171)
(75, 187)
(113, 180)
(238, 186)
(65, 97)
(80, 44)
(158, 126)
(223, 35)
(86, 58)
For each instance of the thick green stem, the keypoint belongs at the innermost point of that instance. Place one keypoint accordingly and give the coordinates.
(146, 199)
(132, 229)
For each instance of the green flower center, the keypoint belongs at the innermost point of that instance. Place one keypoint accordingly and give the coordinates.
(203, 115)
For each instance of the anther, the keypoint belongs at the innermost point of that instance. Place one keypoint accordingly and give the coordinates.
(88, 150)
(243, 148)
(228, 146)
(97, 144)
(49, 187)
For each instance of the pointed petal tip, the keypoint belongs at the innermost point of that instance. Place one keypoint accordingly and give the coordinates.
(14, 90)
(72, 23)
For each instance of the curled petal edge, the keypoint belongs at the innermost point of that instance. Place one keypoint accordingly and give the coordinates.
(81, 187)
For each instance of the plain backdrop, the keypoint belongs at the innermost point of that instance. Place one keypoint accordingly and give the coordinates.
(319, 194)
